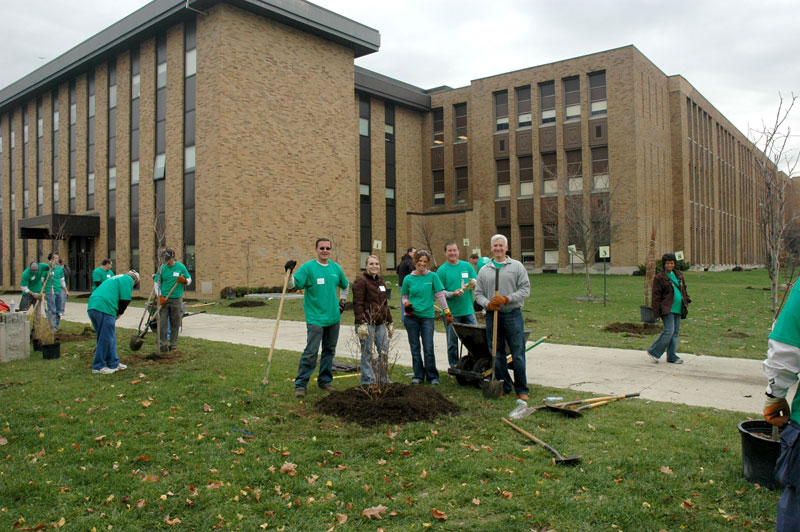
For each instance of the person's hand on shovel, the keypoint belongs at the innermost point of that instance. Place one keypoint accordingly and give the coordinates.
(408, 308)
(362, 331)
(289, 266)
(773, 406)
(496, 302)
(181, 279)
(162, 300)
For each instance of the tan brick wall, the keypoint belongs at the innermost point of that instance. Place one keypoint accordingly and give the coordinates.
(147, 153)
(174, 154)
(123, 191)
(101, 161)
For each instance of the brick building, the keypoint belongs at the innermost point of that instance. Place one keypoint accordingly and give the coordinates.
(245, 130)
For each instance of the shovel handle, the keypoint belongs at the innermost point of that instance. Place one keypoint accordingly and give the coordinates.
(593, 405)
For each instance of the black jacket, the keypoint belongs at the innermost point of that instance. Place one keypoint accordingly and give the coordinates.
(405, 268)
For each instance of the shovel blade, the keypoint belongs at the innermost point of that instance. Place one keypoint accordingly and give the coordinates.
(565, 411)
(569, 460)
(136, 342)
(492, 389)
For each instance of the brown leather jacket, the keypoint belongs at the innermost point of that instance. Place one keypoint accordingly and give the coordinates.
(664, 294)
(369, 301)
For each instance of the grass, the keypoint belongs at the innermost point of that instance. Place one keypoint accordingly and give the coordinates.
(92, 449)
(726, 318)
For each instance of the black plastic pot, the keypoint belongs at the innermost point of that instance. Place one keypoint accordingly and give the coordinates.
(37, 345)
(51, 351)
(759, 453)
(648, 316)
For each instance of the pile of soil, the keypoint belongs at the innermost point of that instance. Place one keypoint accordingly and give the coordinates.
(735, 334)
(87, 334)
(633, 328)
(398, 403)
(247, 303)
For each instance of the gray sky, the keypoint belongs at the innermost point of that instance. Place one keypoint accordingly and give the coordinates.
(739, 54)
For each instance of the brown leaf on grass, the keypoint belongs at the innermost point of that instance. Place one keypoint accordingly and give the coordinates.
(289, 468)
(207, 408)
(424, 474)
(151, 478)
(687, 504)
(213, 485)
(666, 470)
(392, 435)
(380, 462)
(239, 451)
(374, 511)
(507, 494)
(135, 382)
(140, 503)
(146, 403)
(618, 479)
(639, 423)
(341, 518)
(100, 438)
(189, 502)
(312, 479)
(171, 522)
(406, 453)
(437, 514)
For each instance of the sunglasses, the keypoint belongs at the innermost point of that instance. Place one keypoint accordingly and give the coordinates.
(324, 249)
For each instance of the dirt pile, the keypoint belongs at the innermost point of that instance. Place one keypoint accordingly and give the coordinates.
(247, 303)
(633, 328)
(397, 403)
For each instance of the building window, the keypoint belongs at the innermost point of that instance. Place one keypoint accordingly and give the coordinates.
(549, 173)
(550, 237)
(600, 168)
(54, 153)
(597, 93)
(39, 157)
(133, 226)
(503, 172)
(574, 171)
(438, 125)
(572, 97)
(525, 175)
(524, 106)
(438, 187)
(526, 243)
(159, 167)
(73, 119)
(365, 178)
(189, 149)
(460, 117)
(501, 111)
(90, 144)
(390, 247)
(462, 184)
(547, 101)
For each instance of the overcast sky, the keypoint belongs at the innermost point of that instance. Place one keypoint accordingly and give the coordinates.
(738, 53)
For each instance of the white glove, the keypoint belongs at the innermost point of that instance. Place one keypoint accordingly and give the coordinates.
(470, 285)
(390, 330)
(362, 331)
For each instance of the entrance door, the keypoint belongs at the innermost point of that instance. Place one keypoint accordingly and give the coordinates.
(81, 263)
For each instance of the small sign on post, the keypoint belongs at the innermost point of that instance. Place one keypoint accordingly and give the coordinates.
(572, 249)
(465, 242)
(604, 252)
(376, 244)
(476, 251)
(679, 255)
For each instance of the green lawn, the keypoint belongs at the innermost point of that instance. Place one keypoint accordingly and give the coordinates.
(725, 319)
(161, 442)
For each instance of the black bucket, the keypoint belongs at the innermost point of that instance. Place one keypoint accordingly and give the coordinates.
(37, 345)
(648, 316)
(759, 453)
(51, 351)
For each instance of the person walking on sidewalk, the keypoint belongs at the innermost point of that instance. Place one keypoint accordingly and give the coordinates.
(512, 289)
(458, 279)
(419, 290)
(373, 322)
(781, 369)
(107, 303)
(319, 279)
(670, 301)
(102, 273)
(171, 279)
(56, 292)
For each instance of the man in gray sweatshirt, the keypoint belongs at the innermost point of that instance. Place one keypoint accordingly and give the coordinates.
(506, 299)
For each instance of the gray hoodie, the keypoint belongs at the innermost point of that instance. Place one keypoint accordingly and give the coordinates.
(514, 284)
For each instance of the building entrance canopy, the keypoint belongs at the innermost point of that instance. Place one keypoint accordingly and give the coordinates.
(58, 226)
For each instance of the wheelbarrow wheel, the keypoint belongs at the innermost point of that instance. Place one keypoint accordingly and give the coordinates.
(465, 364)
(480, 366)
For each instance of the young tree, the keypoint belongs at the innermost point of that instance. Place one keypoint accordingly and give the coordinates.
(424, 226)
(775, 165)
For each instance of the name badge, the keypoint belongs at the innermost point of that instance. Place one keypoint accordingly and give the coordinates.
(320, 280)
(464, 275)
(175, 274)
(382, 288)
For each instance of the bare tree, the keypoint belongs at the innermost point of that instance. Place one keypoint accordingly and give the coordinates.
(775, 165)
(424, 226)
(382, 364)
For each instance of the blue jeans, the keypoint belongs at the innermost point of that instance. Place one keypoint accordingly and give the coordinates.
(787, 472)
(56, 301)
(316, 335)
(668, 339)
(417, 327)
(378, 337)
(511, 331)
(105, 354)
(452, 338)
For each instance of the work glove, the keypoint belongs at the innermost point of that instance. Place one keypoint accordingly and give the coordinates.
(448, 317)
(773, 406)
(390, 330)
(470, 285)
(409, 308)
(342, 303)
(181, 279)
(289, 266)
(37, 296)
(362, 331)
(162, 300)
(497, 302)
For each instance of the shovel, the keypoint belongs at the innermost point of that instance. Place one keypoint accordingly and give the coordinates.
(265, 380)
(595, 401)
(559, 460)
(137, 340)
(493, 388)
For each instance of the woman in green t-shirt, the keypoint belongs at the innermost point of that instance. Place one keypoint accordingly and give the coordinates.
(418, 293)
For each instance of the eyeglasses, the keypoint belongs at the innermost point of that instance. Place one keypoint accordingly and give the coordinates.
(324, 249)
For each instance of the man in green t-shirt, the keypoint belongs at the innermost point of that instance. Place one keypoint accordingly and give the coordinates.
(170, 281)
(319, 279)
(781, 369)
(31, 284)
(55, 292)
(458, 278)
(106, 304)
(102, 273)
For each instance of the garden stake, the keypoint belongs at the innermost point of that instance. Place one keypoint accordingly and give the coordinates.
(569, 460)
(596, 401)
(265, 380)
(493, 388)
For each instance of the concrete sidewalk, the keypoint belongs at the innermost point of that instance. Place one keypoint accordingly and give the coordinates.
(708, 382)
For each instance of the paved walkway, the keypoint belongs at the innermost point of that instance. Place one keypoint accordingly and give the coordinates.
(707, 382)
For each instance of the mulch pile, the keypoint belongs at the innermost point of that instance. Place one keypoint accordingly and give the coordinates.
(247, 303)
(633, 328)
(398, 403)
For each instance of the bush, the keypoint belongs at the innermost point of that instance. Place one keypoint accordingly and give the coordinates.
(241, 291)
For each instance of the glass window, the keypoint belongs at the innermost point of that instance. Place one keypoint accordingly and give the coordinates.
(135, 86)
(462, 184)
(161, 76)
(460, 116)
(438, 187)
(188, 158)
(112, 178)
(158, 169)
(390, 193)
(547, 101)
(523, 106)
(597, 93)
(572, 97)
(363, 127)
(388, 130)
(501, 110)
(503, 172)
(363, 190)
(191, 63)
(134, 172)
(525, 175)
(55, 120)
(438, 125)
(112, 96)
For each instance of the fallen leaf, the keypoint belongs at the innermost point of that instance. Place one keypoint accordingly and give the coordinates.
(476, 501)
(666, 470)
(687, 504)
(374, 511)
(146, 403)
(151, 478)
(639, 423)
(439, 515)
(171, 522)
(380, 462)
(424, 474)
(207, 408)
(213, 485)
(100, 438)
(507, 494)
(140, 503)
(289, 468)
(341, 518)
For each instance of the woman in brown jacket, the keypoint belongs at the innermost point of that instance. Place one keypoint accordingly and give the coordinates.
(373, 322)
(669, 300)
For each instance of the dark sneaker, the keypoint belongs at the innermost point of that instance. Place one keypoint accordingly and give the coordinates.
(416, 381)
(328, 388)
(679, 361)
(299, 392)
(653, 359)
(434, 383)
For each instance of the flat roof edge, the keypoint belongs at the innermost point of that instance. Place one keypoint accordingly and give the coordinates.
(391, 89)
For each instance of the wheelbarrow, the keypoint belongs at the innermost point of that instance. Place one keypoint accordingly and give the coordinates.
(473, 368)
